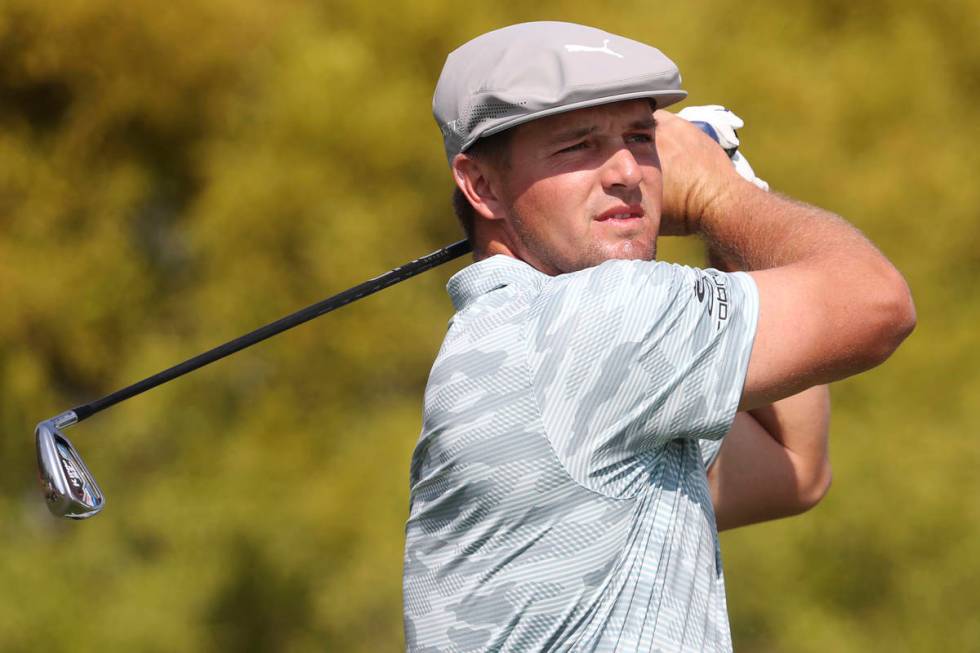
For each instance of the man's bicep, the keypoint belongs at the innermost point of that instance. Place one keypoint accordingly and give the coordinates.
(818, 324)
(787, 352)
(806, 335)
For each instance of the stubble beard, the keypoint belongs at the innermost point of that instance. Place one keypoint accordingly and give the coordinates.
(592, 255)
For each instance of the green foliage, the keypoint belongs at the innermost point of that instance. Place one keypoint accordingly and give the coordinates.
(174, 175)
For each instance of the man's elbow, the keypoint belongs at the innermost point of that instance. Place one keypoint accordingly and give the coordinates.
(813, 489)
(901, 310)
(893, 314)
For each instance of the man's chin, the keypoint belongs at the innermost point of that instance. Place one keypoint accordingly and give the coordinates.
(630, 250)
(598, 253)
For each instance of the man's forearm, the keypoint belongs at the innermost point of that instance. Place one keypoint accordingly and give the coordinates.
(759, 230)
(842, 273)
(834, 305)
(774, 462)
(801, 425)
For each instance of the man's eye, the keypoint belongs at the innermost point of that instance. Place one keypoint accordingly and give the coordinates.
(572, 148)
(639, 138)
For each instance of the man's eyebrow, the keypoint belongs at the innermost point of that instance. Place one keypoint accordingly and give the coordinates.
(572, 134)
(576, 133)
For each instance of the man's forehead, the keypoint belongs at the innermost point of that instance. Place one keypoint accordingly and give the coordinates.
(634, 114)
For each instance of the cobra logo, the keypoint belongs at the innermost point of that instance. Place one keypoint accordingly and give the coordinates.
(74, 478)
(714, 288)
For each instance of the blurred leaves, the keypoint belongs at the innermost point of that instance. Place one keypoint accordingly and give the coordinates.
(174, 175)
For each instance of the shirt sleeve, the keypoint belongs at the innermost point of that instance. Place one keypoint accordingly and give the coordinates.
(709, 452)
(628, 356)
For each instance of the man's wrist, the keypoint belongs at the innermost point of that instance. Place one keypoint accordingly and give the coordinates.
(699, 202)
(719, 206)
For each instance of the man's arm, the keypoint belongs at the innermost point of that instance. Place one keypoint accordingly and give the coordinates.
(830, 304)
(774, 461)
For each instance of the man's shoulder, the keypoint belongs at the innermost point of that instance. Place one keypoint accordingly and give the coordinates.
(619, 280)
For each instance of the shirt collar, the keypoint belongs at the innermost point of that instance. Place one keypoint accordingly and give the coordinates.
(490, 274)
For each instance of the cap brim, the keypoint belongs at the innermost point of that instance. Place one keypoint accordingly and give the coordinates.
(662, 98)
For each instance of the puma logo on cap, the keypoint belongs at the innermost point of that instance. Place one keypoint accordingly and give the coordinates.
(586, 48)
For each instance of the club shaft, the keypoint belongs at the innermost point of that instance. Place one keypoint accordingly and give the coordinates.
(369, 287)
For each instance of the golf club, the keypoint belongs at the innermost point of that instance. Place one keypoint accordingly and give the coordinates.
(69, 487)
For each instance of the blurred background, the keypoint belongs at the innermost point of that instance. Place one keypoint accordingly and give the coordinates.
(175, 174)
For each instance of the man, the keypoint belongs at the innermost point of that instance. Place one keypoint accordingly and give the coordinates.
(559, 494)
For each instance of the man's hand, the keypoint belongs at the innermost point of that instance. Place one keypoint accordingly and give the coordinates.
(696, 174)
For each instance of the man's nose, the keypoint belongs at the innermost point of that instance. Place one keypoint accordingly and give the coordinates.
(621, 169)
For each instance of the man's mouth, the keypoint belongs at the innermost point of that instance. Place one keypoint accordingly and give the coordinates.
(622, 212)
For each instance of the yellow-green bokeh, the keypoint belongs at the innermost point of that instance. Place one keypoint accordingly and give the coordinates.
(172, 175)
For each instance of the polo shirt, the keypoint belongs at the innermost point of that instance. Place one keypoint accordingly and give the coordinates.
(559, 499)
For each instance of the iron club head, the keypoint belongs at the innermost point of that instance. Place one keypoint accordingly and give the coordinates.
(68, 485)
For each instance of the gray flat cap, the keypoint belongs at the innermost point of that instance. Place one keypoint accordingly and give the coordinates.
(516, 74)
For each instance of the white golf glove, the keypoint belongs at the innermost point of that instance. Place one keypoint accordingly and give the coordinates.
(724, 122)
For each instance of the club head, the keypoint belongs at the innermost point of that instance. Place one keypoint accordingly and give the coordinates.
(68, 486)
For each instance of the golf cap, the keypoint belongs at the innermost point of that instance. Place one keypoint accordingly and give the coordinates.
(516, 74)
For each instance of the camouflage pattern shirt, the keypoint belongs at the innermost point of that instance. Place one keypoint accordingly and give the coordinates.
(559, 500)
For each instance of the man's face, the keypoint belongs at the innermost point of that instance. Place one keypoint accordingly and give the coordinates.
(583, 187)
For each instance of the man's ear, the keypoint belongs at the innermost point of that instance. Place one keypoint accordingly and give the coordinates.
(478, 183)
